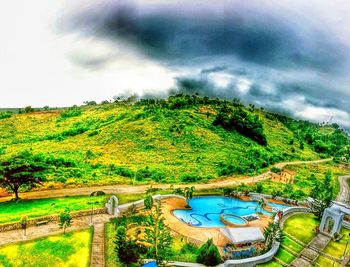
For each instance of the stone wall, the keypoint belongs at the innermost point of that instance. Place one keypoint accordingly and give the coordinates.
(253, 261)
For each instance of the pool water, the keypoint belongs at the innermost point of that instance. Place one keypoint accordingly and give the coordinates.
(206, 211)
(234, 219)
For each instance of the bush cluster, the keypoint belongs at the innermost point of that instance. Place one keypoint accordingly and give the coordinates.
(243, 122)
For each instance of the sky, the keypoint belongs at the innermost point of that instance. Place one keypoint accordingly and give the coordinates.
(288, 56)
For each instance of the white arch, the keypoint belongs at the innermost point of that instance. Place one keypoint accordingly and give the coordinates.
(112, 206)
(336, 215)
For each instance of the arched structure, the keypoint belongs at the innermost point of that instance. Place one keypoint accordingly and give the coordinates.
(112, 206)
(333, 217)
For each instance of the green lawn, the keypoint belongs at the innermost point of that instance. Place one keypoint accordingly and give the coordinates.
(325, 262)
(13, 211)
(72, 249)
(336, 248)
(271, 264)
(285, 256)
(291, 244)
(111, 259)
(301, 227)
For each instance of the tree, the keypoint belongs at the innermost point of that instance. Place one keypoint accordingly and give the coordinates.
(208, 254)
(28, 109)
(65, 220)
(273, 232)
(157, 235)
(261, 205)
(259, 188)
(127, 250)
(23, 169)
(188, 192)
(322, 194)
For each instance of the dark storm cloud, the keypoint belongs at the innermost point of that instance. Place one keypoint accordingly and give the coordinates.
(178, 35)
(275, 58)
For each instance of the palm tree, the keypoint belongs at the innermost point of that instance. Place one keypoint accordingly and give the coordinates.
(188, 192)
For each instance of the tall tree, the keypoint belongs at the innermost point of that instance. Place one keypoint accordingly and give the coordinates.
(126, 249)
(322, 194)
(23, 169)
(157, 234)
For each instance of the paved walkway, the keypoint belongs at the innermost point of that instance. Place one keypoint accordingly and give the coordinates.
(310, 253)
(97, 248)
(130, 189)
(51, 228)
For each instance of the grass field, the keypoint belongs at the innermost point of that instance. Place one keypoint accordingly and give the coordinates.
(301, 227)
(285, 256)
(169, 142)
(72, 249)
(13, 211)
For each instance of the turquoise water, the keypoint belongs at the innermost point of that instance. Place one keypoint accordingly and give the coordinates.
(234, 219)
(206, 210)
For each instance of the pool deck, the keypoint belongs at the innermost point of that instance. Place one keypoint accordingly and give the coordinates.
(197, 234)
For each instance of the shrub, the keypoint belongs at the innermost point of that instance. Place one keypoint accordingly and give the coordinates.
(275, 170)
(208, 254)
(5, 115)
(259, 188)
(97, 193)
(93, 133)
(189, 178)
(142, 174)
(147, 173)
(248, 125)
(188, 248)
(123, 171)
(71, 112)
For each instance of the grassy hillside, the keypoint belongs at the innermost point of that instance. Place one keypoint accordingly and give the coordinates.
(184, 138)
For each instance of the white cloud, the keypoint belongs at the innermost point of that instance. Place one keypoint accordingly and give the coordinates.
(221, 79)
(40, 67)
(324, 115)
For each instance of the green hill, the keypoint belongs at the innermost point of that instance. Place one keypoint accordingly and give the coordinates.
(184, 138)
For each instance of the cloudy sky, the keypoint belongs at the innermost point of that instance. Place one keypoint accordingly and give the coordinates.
(290, 56)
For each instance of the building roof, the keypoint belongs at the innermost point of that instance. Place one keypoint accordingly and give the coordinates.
(243, 235)
(289, 172)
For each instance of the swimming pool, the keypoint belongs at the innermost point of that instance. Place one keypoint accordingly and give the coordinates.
(206, 211)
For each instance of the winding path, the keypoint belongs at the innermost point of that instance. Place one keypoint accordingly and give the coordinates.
(130, 189)
(344, 192)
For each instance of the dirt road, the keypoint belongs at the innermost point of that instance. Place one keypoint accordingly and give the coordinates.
(129, 189)
(344, 192)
